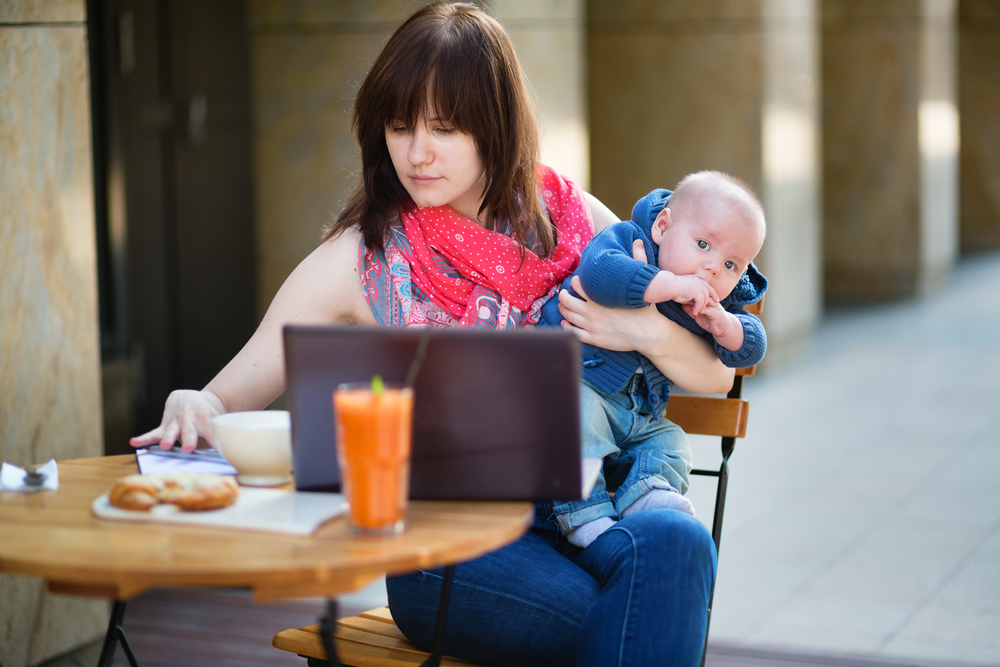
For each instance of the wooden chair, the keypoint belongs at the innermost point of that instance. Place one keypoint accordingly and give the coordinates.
(372, 638)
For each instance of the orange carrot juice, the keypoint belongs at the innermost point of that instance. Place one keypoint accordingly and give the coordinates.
(373, 450)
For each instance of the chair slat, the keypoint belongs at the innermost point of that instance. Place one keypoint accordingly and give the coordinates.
(366, 640)
(375, 627)
(299, 641)
(707, 415)
(380, 614)
(363, 622)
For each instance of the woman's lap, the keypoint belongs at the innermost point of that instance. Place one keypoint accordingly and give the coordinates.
(615, 603)
(521, 605)
(657, 569)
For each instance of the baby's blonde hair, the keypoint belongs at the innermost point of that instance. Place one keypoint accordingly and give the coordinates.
(734, 191)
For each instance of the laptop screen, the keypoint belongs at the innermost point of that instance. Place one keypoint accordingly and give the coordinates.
(496, 414)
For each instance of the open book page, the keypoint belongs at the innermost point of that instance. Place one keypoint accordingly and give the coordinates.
(154, 460)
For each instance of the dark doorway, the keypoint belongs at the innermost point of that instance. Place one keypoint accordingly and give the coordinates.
(172, 143)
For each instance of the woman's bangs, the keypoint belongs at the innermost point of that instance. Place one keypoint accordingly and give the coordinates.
(406, 96)
(441, 96)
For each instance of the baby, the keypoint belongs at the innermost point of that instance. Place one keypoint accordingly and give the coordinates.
(699, 241)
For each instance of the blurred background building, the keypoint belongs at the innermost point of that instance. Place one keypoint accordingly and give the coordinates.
(164, 164)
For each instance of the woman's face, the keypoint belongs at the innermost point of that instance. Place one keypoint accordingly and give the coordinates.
(437, 164)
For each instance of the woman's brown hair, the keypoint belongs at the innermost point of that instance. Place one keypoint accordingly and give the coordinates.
(458, 59)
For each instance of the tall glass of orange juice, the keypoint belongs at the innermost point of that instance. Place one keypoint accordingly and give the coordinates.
(374, 429)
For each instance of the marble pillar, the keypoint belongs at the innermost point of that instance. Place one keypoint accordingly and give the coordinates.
(979, 102)
(890, 147)
(49, 352)
(307, 61)
(680, 86)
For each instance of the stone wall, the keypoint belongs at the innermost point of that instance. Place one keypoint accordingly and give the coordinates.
(49, 354)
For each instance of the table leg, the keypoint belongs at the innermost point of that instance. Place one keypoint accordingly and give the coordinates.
(113, 636)
(435, 658)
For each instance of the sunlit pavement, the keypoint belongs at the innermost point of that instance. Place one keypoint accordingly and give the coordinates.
(864, 505)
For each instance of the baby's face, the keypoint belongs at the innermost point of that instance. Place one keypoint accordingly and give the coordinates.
(710, 241)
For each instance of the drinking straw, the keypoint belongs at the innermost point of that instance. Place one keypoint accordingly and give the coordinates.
(418, 358)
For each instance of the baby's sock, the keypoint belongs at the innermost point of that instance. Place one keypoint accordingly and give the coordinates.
(588, 532)
(659, 499)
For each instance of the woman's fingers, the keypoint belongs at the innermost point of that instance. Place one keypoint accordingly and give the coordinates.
(578, 286)
(150, 438)
(582, 334)
(187, 416)
(170, 433)
(189, 435)
(574, 309)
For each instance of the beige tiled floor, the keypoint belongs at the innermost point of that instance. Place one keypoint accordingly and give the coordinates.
(864, 505)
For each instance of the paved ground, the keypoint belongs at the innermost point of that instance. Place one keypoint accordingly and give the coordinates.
(864, 505)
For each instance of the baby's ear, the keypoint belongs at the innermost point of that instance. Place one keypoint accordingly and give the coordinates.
(661, 223)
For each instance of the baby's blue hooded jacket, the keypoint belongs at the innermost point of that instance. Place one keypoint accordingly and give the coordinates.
(611, 277)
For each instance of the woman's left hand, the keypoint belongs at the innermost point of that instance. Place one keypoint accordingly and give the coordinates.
(616, 329)
(688, 360)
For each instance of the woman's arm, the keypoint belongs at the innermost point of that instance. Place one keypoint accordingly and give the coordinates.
(324, 289)
(688, 360)
(603, 216)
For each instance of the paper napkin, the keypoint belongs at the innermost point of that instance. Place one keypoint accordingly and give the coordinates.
(12, 477)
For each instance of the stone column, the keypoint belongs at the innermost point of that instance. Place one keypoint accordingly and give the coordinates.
(307, 61)
(791, 182)
(889, 147)
(680, 86)
(550, 40)
(49, 354)
(978, 102)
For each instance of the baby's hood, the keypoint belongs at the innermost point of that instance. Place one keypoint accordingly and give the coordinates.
(646, 209)
(752, 284)
(750, 288)
(644, 215)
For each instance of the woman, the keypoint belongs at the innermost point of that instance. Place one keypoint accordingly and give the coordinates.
(455, 223)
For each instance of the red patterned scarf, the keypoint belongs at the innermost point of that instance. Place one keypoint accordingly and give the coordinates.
(440, 237)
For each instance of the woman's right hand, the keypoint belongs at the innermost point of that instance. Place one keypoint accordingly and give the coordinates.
(187, 415)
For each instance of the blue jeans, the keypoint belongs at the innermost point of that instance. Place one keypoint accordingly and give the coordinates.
(641, 451)
(638, 595)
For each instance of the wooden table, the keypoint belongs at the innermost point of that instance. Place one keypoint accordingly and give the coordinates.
(54, 535)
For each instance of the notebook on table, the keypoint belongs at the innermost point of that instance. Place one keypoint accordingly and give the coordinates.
(496, 414)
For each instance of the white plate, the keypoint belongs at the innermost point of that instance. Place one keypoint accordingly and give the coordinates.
(264, 510)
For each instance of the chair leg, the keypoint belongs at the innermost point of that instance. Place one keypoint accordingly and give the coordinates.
(728, 444)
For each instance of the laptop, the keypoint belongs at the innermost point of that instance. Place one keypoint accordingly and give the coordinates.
(496, 413)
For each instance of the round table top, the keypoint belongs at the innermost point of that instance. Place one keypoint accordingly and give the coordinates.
(55, 536)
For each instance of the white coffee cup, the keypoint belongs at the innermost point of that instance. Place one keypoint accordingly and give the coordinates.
(258, 444)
